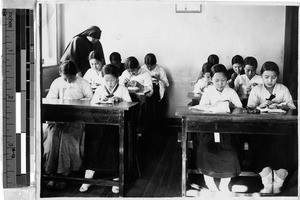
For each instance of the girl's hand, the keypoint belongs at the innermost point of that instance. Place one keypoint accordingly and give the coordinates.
(117, 99)
(273, 106)
(104, 99)
(233, 76)
(231, 105)
(231, 83)
(140, 86)
(132, 84)
(79, 74)
(248, 89)
(283, 106)
(155, 79)
(265, 104)
(126, 81)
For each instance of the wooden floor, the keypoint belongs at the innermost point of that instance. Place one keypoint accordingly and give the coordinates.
(160, 163)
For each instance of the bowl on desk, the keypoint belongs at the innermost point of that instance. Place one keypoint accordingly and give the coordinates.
(133, 89)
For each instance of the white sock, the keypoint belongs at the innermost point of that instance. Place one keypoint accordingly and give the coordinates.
(210, 183)
(115, 189)
(224, 183)
(267, 180)
(279, 177)
(89, 175)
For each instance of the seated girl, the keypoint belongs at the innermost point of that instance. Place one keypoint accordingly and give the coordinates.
(212, 59)
(102, 141)
(158, 75)
(115, 59)
(155, 104)
(63, 142)
(244, 83)
(205, 80)
(273, 153)
(217, 159)
(237, 69)
(135, 76)
(94, 75)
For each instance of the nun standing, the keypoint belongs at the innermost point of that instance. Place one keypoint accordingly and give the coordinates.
(80, 46)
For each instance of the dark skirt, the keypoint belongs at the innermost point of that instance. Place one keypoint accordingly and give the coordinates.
(218, 160)
(101, 147)
(275, 151)
(154, 112)
(63, 147)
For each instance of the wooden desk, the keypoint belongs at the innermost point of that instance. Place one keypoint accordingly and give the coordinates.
(119, 114)
(236, 122)
(142, 111)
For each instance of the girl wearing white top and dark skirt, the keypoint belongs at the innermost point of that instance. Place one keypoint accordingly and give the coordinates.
(244, 83)
(102, 152)
(64, 142)
(217, 159)
(275, 155)
(155, 103)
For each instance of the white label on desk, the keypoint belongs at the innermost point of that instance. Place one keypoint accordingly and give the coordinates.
(217, 137)
(246, 146)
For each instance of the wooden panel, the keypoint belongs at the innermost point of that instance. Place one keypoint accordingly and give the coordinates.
(237, 115)
(290, 66)
(100, 182)
(242, 127)
(71, 114)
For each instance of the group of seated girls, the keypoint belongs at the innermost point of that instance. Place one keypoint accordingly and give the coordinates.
(74, 146)
(242, 87)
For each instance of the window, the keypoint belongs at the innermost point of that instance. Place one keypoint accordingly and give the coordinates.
(49, 35)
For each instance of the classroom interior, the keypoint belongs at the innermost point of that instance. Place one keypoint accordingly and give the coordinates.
(182, 35)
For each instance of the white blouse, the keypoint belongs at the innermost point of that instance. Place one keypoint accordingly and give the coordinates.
(143, 77)
(93, 77)
(201, 85)
(78, 89)
(242, 82)
(282, 94)
(120, 92)
(212, 96)
(159, 73)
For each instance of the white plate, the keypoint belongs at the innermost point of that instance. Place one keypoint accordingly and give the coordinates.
(133, 88)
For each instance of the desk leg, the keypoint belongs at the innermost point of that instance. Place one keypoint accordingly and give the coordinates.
(121, 154)
(129, 145)
(183, 147)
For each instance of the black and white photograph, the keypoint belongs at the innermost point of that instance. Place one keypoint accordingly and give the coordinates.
(162, 99)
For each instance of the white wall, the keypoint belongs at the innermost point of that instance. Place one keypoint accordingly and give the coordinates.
(182, 41)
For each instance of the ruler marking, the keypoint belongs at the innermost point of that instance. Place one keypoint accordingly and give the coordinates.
(10, 48)
(18, 71)
(18, 50)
